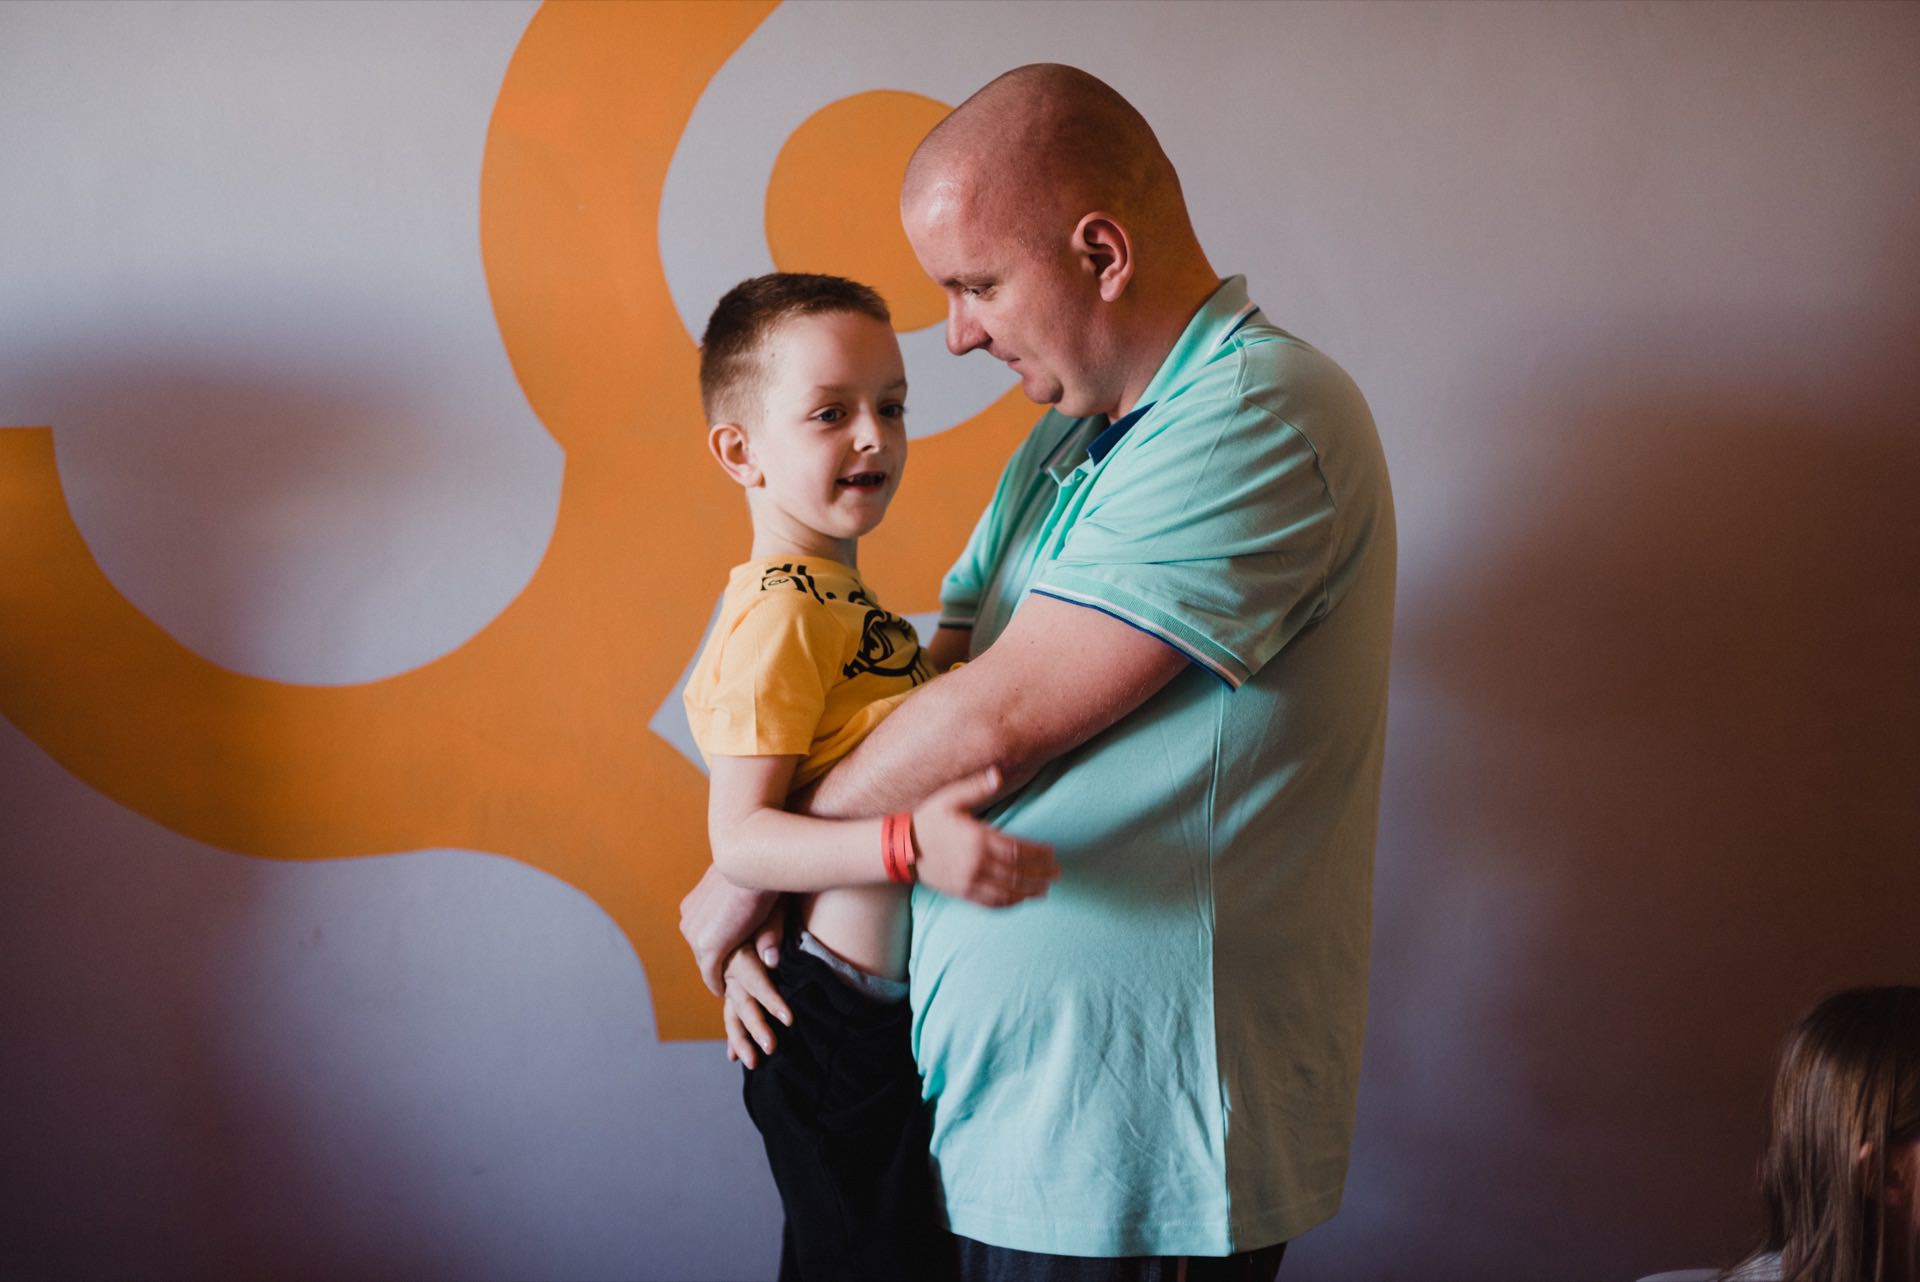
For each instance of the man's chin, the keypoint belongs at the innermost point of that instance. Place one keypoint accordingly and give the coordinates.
(1045, 394)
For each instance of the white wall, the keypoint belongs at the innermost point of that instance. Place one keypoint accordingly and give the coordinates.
(1632, 290)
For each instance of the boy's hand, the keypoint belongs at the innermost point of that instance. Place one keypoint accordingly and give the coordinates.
(750, 999)
(966, 859)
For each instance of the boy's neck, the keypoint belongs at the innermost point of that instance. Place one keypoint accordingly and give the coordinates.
(798, 543)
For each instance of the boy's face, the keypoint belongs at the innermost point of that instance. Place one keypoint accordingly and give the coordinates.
(828, 447)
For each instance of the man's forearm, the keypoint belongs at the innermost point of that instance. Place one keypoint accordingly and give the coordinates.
(934, 738)
(1058, 675)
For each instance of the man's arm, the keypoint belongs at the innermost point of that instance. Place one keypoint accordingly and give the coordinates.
(948, 647)
(1060, 674)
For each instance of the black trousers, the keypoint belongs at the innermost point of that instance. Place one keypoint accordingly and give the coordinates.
(838, 1106)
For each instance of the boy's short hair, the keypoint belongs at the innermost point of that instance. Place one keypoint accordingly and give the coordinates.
(732, 367)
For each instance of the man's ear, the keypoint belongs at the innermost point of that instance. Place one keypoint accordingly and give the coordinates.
(1106, 252)
(728, 444)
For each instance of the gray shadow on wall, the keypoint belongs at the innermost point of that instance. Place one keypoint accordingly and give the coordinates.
(309, 513)
(1655, 787)
(138, 1144)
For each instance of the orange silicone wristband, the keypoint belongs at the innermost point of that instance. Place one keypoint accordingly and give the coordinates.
(896, 847)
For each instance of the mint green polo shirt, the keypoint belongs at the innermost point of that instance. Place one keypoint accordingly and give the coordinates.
(1161, 1056)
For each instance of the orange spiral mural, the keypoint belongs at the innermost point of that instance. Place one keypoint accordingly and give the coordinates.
(531, 739)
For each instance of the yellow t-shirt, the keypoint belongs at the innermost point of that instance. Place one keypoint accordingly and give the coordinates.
(802, 661)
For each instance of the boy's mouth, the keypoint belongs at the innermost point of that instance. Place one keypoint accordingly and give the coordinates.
(864, 480)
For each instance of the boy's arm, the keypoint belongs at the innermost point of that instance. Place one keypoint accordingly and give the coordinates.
(759, 846)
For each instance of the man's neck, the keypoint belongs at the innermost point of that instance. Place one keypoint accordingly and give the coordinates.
(1161, 328)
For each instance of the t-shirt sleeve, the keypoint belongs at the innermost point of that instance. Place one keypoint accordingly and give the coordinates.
(1213, 533)
(768, 690)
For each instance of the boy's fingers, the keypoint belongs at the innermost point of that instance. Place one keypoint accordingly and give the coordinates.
(1034, 880)
(995, 893)
(1004, 850)
(755, 1020)
(760, 988)
(739, 1045)
(748, 974)
(1036, 860)
(1009, 849)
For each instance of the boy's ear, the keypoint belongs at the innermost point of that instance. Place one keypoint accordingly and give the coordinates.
(728, 444)
(1105, 252)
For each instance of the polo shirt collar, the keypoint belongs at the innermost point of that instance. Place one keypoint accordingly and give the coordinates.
(1226, 310)
(1110, 434)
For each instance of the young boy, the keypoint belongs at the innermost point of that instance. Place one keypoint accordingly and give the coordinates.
(804, 391)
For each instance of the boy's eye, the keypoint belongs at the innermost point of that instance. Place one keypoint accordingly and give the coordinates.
(831, 414)
(894, 411)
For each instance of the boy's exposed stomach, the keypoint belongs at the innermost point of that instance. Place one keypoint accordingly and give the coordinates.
(866, 925)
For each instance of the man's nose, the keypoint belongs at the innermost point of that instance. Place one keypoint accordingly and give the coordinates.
(963, 331)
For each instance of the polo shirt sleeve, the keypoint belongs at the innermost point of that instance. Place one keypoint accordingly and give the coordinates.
(1214, 532)
(966, 582)
(768, 693)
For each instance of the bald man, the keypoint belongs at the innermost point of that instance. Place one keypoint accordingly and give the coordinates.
(1177, 609)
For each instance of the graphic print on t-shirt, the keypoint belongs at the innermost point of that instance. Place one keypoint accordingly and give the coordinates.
(792, 575)
(888, 646)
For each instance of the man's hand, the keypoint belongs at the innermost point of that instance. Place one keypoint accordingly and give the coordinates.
(717, 916)
(948, 647)
(967, 859)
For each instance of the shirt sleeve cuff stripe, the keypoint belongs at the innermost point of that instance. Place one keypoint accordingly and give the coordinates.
(1135, 621)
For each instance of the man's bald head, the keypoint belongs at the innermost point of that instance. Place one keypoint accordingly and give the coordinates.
(1045, 143)
(1046, 211)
